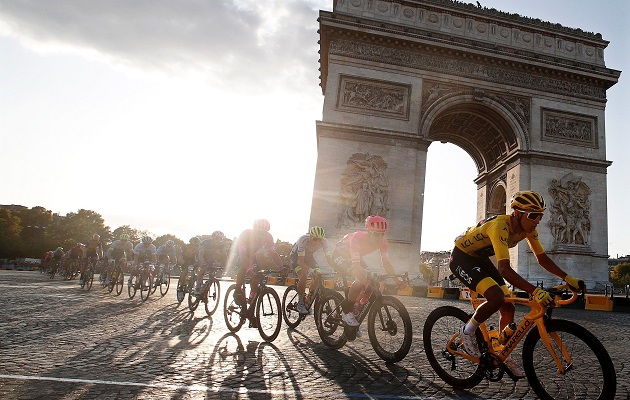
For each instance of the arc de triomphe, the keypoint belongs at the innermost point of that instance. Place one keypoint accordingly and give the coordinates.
(524, 98)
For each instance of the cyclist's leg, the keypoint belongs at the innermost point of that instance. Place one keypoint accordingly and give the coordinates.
(481, 276)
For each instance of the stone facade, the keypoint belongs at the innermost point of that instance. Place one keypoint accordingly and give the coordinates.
(525, 98)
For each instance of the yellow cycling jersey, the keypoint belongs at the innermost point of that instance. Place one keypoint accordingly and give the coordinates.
(494, 237)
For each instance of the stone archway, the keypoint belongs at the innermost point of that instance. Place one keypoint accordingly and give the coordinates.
(524, 98)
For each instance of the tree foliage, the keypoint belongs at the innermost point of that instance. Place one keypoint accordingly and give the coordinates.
(620, 275)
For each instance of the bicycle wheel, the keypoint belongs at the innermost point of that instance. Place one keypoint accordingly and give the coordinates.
(120, 281)
(290, 313)
(165, 282)
(89, 278)
(132, 285)
(233, 313)
(439, 327)
(589, 375)
(146, 286)
(389, 329)
(211, 295)
(268, 314)
(328, 323)
(182, 289)
(193, 299)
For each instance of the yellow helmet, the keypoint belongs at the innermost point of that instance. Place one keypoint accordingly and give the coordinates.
(527, 201)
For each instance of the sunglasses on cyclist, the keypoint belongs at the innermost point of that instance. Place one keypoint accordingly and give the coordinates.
(533, 215)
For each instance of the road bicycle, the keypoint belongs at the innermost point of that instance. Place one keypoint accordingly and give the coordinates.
(184, 282)
(87, 278)
(116, 278)
(561, 359)
(388, 322)
(263, 310)
(162, 278)
(208, 292)
(291, 298)
(140, 278)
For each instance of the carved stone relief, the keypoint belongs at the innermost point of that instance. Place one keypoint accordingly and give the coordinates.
(373, 97)
(569, 128)
(364, 189)
(570, 220)
(464, 68)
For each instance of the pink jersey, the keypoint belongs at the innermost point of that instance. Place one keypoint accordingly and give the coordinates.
(355, 245)
(250, 241)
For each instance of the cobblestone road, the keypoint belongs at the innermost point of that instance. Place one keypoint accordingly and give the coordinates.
(59, 342)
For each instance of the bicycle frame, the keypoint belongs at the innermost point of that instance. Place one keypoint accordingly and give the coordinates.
(536, 316)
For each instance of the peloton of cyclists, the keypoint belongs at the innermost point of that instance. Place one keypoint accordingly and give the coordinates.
(302, 261)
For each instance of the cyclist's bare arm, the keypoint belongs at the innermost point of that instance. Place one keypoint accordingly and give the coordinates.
(548, 264)
(515, 279)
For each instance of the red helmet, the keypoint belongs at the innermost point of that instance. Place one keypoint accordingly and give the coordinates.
(261, 225)
(376, 223)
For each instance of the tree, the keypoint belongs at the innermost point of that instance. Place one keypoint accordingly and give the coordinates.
(426, 272)
(11, 245)
(284, 249)
(35, 235)
(620, 275)
(161, 240)
(134, 234)
(80, 227)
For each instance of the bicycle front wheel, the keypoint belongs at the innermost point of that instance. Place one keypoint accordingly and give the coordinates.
(328, 322)
(165, 282)
(132, 286)
(146, 286)
(212, 295)
(232, 312)
(268, 314)
(389, 329)
(290, 313)
(182, 289)
(589, 371)
(89, 278)
(439, 327)
(120, 281)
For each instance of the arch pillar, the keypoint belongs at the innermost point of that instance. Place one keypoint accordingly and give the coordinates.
(392, 162)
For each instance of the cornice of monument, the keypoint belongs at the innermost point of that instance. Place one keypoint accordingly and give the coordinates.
(495, 14)
(371, 134)
(458, 26)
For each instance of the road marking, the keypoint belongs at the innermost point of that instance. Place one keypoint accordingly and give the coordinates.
(205, 388)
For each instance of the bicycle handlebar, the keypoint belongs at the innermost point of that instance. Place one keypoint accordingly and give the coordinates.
(558, 291)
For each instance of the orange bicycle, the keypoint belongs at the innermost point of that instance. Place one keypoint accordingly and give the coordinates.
(561, 359)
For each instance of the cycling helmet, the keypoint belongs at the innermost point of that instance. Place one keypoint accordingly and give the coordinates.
(96, 237)
(147, 239)
(262, 225)
(59, 249)
(527, 201)
(217, 234)
(194, 240)
(169, 243)
(317, 232)
(79, 244)
(124, 236)
(376, 223)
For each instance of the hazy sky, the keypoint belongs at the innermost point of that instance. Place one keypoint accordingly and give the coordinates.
(187, 117)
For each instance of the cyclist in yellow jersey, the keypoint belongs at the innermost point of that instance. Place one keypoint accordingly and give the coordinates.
(471, 264)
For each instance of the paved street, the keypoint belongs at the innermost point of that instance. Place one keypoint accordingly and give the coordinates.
(60, 342)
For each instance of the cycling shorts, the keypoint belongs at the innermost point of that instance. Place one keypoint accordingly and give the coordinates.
(309, 260)
(477, 273)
